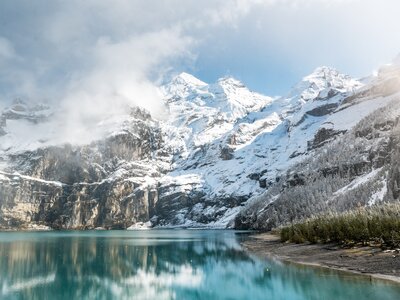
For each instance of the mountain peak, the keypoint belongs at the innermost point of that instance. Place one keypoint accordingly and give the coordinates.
(183, 85)
(229, 80)
(188, 79)
(228, 85)
(326, 74)
(323, 78)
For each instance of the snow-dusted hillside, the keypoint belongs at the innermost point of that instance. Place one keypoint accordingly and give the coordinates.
(221, 149)
(248, 152)
(359, 167)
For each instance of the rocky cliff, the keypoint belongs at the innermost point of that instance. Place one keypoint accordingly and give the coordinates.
(223, 152)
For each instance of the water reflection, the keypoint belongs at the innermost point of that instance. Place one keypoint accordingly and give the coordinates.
(167, 264)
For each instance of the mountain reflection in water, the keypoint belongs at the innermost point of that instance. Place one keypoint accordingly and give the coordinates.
(161, 264)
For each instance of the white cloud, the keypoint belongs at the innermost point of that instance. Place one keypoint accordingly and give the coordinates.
(6, 49)
(119, 79)
(97, 56)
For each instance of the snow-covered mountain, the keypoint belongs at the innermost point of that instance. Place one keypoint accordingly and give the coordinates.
(358, 167)
(223, 150)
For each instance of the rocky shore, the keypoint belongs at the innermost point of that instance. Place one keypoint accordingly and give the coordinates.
(368, 261)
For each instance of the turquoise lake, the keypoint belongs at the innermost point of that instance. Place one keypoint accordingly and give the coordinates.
(163, 264)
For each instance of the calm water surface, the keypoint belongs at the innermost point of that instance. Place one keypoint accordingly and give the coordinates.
(162, 264)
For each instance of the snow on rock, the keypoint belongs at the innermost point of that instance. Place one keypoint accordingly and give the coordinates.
(205, 112)
(140, 226)
(379, 195)
(183, 86)
(235, 142)
(220, 146)
(357, 182)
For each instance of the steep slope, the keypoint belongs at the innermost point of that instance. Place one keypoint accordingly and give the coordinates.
(108, 183)
(205, 111)
(221, 175)
(222, 150)
(358, 168)
(115, 181)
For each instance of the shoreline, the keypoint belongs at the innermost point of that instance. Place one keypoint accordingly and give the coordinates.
(368, 262)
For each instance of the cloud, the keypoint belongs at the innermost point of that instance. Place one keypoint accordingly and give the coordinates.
(60, 41)
(121, 67)
(119, 79)
(102, 55)
(94, 59)
(276, 43)
(6, 49)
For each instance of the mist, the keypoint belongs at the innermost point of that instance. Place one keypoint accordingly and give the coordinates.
(93, 60)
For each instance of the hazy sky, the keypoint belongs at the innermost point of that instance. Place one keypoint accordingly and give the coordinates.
(98, 49)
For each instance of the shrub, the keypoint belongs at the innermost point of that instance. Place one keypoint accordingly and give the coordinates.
(378, 224)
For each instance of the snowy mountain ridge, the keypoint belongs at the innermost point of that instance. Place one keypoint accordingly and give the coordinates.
(221, 146)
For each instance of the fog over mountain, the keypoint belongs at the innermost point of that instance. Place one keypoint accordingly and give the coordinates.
(222, 156)
(188, 113)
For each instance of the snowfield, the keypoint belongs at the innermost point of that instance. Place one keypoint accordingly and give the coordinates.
(221, 147)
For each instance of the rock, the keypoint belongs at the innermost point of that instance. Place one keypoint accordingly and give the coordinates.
(254, 176)
(323, 110)
(226, 153)
(323, 136)
(198, 167)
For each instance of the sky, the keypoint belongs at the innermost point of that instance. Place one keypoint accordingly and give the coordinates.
(101, 52)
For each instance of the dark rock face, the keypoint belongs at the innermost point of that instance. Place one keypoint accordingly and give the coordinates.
(22, 199)
(227, 153)
(323, 136)
(83, 187)
(331, 93)
(345, 174)
(295, 154)
(173, 205)
(323, 110)
(112, 183)
(296, 179)
(136, 175)
(111, 205)
(349, 168)
(254, 176)
(263, 183)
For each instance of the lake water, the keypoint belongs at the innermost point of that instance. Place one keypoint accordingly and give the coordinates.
(162, 264)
